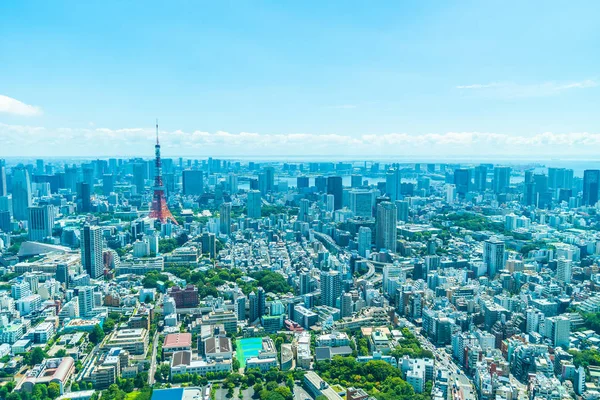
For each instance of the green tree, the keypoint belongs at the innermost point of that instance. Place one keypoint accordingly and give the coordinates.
(37, 356)
(53, 390)
(96, 335)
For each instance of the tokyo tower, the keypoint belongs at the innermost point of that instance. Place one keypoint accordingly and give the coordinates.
(159, 210)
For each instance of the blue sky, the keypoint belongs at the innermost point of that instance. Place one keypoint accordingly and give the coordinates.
(405, 78)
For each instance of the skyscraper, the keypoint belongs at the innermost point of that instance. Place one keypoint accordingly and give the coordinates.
(356, 181)
(84, 200)
(493, 256)
(21, 191)
(462, 181)
(365, 238)
(303, 212)
(108, 184)
(393, 184)
(302, 182)
(385, 235)
(254, 204)
(257, 304)
(91, 251)
(480, 178)
(40, 222)
(225, 218)
(346, 305)
(321, 184)
(3, 191)
(331, 287)
(266, 180)
(591, 180)
(305, 281)
(336, 188)
(193, 184)
(501, 182)
(361, 202)
(402, 210)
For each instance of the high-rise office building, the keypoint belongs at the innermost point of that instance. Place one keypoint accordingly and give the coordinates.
(321, 184)
(304, 210)
(336, 188)
(480, 178)
(356, 181)
(302, 182)
(305, 282)
(385, 234)
(346, 305)
(257, 304)
(591, 180)
(192, 181)
(462, 181)
(62, 274)
(393, 184)
(331, 287)
(564, 270)
(91, 251)
(402, 210)
(493, 256)
(266, 180)
(40, 222)
(140, 172)
(501, 183)
(225, 219)
(365, 237)
(361, 203)
(6, 204)
(84, 198)
(254, 204)
(21, 193)
(3, 190)
(108, 184)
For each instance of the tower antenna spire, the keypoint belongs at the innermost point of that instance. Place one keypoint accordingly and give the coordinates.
(157, 131)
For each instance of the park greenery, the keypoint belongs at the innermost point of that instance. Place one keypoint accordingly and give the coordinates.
(378, 378)
(208, 281)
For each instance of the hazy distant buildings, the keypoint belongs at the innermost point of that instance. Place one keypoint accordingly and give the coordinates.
(21, 193)
(335, 188)
(501, 182)
(192, 182)
(591, 180)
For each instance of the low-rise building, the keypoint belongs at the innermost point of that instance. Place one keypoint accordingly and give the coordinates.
(183, 363)
(135, 341)
(176, 342)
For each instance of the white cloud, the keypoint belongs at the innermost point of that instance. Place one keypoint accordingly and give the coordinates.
(16, 107)
(511, 89)
(97, 142)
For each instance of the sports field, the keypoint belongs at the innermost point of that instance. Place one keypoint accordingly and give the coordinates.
(248, 348)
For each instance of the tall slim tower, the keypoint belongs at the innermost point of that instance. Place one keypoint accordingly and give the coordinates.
(159, 210)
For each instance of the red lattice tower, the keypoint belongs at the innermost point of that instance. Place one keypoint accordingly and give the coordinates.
(159, 210)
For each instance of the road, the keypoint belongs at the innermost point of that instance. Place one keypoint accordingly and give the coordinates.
(300, 393)
(152, 369)
(458, 379)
